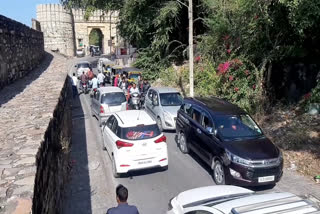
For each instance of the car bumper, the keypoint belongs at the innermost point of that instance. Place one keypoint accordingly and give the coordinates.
(125, 165)
(253, 176)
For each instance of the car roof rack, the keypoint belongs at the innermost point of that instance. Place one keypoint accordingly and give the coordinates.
(279, 206)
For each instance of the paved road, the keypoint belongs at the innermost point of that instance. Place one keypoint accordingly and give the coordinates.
(92, 185)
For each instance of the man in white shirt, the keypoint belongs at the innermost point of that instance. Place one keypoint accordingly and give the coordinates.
(100, 79)
(74, 85)
(94, 82)
(134, 89)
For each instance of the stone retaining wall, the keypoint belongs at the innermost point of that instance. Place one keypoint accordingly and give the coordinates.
(35, 132)
(21, 50)
(53, 156)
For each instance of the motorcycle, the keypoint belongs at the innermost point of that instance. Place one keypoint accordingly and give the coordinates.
(84, 88)
(135, 101)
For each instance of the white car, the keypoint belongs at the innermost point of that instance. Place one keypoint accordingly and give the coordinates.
(133, 142)
(224, 199)
(107, 100)
(83, 66)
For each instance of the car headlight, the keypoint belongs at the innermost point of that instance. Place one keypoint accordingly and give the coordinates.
(280, 158)
(236, 159)
(167, 117)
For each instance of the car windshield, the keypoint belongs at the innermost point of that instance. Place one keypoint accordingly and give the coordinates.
(115, 98)
(140, 132)
(236, 127)
(171, 99)
(83, 65)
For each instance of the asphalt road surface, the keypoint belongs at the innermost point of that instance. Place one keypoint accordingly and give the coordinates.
(92, 185)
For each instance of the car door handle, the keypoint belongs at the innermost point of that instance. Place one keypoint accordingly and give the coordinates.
(199, 131)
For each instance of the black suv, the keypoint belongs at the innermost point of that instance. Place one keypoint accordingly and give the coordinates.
(227, 139)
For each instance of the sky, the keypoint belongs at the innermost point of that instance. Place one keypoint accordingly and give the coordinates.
(22, 10)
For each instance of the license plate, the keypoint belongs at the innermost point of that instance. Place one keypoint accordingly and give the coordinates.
(266, 179)
(144, 162)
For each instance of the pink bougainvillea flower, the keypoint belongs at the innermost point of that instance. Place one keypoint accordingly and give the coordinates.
(231, 78)
(247, 72)
(197, 59)
(229, 51)
(236, 89)
(223, 67)
(254, 87)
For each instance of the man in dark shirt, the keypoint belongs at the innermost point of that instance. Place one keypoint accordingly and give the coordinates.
(123, 207)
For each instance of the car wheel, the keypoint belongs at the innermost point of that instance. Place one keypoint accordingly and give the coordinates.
(159, 122)
(183, 144)
(218, 173)
(114, 169)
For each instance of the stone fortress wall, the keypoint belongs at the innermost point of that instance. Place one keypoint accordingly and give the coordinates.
(67, 30)
(21, 50)
(57, 26)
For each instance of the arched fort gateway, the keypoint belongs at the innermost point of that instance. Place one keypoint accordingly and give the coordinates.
(66, 30)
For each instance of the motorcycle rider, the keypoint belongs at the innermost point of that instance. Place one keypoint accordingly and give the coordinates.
(132, 90)
(84, 80)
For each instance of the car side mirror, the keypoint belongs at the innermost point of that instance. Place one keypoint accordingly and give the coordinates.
(155, 103)
(210, 130)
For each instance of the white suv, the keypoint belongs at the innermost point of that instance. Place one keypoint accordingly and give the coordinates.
(134, 141)
(224, 199)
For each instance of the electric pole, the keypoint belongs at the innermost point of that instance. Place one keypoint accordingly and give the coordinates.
(190, 12)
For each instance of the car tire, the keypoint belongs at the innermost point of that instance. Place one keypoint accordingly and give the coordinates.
(218, 173)
(114, 169)
(183, 143)
(159, 123)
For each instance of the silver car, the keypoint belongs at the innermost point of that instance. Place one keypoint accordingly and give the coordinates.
(81, 67)
(163, 104)
(105, 101)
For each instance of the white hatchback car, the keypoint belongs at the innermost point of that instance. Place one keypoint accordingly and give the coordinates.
(106, 100)
(225, 199)
(134, 141)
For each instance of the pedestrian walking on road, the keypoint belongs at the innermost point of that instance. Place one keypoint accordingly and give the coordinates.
(123, 207)
(101, 79)
(74, 85)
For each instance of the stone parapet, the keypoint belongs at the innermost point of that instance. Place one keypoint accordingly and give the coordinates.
(21, 50)
(35, 132)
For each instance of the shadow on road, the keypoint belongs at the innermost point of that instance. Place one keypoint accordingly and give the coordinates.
(78, 190)
(10, 91)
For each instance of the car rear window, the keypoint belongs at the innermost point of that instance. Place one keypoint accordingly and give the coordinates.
(115, 98)
(83, 65)
(140, 132)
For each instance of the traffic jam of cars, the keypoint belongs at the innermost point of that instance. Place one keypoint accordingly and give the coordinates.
(222, 135)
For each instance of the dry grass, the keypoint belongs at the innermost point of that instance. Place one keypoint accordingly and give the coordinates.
(298, 135)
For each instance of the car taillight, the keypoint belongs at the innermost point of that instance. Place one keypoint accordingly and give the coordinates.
(161, 139)
(101, 110)
(121, 144)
